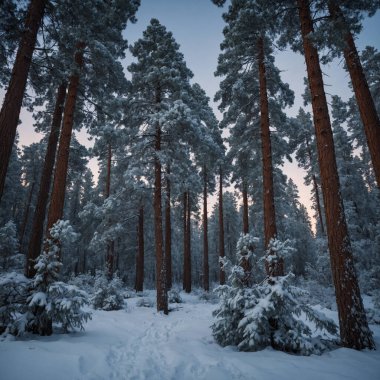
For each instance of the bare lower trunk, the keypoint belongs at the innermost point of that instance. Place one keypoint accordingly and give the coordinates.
(110, 244)
(162, 296)
(206, 281)
(367, 109)
(59, 184)
(222, 274)
(10, 111)
(26, 216)
(139, 284)
(168, 235)
(188, 245)
(273, 267)
(245, 263)
(35, 241)
(354, 329)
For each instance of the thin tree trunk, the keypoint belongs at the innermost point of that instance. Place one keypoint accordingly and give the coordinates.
(206, 281)
(139, 284)
(273, 267)
(245, 263)
(188, 245)
(184, 240)
(35, 241)
(168, 234)
(222, 274)
(316, 191)
(10, 111)
(354, 331)
(60, 176)
(110, 244)
(26, 216)
(162, 296)
(367, 109)
(245, 209)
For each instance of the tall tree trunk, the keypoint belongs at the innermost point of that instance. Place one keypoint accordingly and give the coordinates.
(184, 279)
(206, 281)
(222, 274)
(316, 191)
(26, 216)
(10, 111)
(367, 109)
(354, 331)
(162, 295)
(59, 185)
(188, 245)
(168, 234)
(139, 284)
(35, 241)
(245, 209)
(110, 244)
(245, 263)
(273, 267)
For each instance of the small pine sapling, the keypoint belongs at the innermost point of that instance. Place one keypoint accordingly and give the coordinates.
(269, 314)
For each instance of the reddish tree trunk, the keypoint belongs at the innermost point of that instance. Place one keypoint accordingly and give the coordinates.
(222, 274)
(35, 241)
(139, 284)
(206, 281)
(10, 111)
(59, 184)
(354, 329)
(367, 109)
(316, 191)
(162, 296)
(273, 267)
(168, 235)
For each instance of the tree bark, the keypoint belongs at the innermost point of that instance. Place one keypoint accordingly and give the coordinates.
(354, 331)
(188, 245)
(168, 234)
(10, 111)
(367, 109)
(206, 280)
(162, 296)
(316, 191)
(222, 274)
(185, 253)
(139, 284)
(274, 267)
(26, 216)
(245, 209)
(35, 241)
(110, 244)
(60, 176)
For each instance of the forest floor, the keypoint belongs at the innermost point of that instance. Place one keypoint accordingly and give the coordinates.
(139, 343)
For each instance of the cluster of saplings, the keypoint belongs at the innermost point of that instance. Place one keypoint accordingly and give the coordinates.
(161, 150)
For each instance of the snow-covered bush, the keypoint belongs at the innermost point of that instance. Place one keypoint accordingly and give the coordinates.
(8, 243)
(174, 296)
(268, 314)
(13, 295)
(51, 300)
(145, 302)
(84, 281)
(108, 294)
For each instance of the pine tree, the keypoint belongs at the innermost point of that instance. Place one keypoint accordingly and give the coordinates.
(10, 110)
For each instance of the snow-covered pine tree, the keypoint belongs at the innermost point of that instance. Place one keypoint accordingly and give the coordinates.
(267, 314)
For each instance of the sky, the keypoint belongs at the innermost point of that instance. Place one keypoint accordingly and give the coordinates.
(197, 26)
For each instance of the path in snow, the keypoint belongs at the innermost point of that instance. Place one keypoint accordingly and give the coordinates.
(140, 344)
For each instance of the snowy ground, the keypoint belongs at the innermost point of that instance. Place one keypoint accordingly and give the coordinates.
(138, 343)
